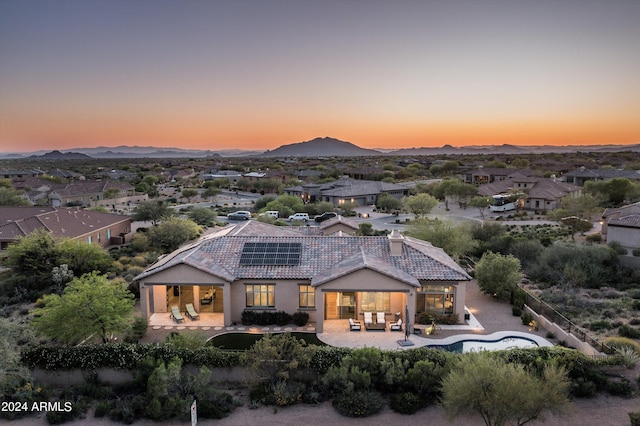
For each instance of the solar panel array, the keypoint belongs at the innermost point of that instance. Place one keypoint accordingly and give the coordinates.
(260, 254)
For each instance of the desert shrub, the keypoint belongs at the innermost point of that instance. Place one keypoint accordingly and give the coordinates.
(594, 238)
(516, 311)
(635, 305)
(405, 403)
(429, 317)
(617, 248)
(636, 252)
(287, 393)
(622, 342)
(628, 331)
(600, 325)
(634, 321)
(215, 404)
(635, 418)
(620, 388)
(358, 403)
(550, 335)
(583, 388)
(139, 261)
(300, 318)
(526, 318)
(101, 409)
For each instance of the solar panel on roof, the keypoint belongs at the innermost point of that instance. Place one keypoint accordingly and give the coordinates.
(260, 254)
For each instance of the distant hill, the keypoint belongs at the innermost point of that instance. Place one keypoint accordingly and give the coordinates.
(320, 147)
(512, 149)
(57, 155)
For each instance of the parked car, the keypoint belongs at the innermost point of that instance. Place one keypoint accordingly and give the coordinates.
(325, 216)
(272, 213)
(239, 215)
(299, 216)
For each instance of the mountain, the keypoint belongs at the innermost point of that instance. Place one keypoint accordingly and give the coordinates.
(321, 147)
(512, 149)
(57, 155)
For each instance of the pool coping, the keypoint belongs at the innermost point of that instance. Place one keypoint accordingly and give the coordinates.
(493, 337)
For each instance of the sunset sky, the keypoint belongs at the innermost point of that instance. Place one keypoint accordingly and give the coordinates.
(257, 74)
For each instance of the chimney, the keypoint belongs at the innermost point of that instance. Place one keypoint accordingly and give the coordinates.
(395, 243)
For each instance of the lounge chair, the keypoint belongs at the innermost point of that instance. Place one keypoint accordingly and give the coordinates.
(396, 326)
(380, 318)
(191, 312)
(368, 318)
(208, 297)
(354, 325)
(176, 315)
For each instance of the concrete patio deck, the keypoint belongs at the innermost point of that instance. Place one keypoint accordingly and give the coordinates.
(487, 316)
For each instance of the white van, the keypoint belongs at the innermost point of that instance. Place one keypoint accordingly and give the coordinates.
(272, 213)
(299, 216)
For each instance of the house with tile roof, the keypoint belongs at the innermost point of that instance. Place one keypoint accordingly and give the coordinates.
(582, 175)
(85, 225)
(622, 225)
(359, 192)
(260, 267)
(542, 194)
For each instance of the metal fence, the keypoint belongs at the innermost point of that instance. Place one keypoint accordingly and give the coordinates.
(547, 311)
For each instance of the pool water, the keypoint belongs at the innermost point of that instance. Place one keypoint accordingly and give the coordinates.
(476, 345)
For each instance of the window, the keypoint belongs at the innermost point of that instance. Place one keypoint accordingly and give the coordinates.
(260, 295)
(108, 234)
(438, 299)
(376, 301)
(307, 296)
(89, 239)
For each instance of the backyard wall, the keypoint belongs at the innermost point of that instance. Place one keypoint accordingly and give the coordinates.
(562, 335)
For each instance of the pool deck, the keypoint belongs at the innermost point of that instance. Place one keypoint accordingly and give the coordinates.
(489, 318)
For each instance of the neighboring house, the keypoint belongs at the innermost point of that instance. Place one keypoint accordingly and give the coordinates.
(231, 175)
(486, 175)
(541, 193)
(256, 266)
(118, 175)
(579, 177)
(85, 225)
(20, 174)
(622, 225)
(91, 193)
(269, 174)
(65, 174)
(359, 192)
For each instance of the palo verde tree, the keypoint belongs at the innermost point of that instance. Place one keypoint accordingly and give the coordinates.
(420, 204)
(171, 233)
(503, 393)
(90, 304)
(498, 275)
(151, 210)
(455, 239)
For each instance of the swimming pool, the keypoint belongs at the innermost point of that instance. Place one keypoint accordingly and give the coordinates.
(476, 345)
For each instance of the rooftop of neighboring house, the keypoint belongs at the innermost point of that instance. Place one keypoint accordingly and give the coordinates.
(603, 173)
(630, 221)
(347, 187)
(314, 257)
(542, 188)
(622, 211)
(62, 221)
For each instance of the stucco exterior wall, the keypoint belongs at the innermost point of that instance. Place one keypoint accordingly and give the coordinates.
(628, 237)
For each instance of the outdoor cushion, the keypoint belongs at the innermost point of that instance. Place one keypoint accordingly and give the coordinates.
(368, 318)
(354, 325)
(396, 326)
(380, 318)
(192, 312)
(176, 315)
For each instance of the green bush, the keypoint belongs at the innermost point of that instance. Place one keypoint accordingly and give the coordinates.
(300, 318)
(405, 403)
(628, 331)
(358, 403)
(265, 318)
(600, 325)
(622, 342)
(583, 388)
(622, 388)
(635, 418)
(526, 318)
(636, 252)
(516, 311)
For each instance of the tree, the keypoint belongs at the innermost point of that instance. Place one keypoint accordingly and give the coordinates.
(420, 204)
(584, 207)
(151, 210)
(614, 191)
(455, 240)
(111, 193)
(498, 275)
(82, 257)
(171, 233)
(460, 192)
(387, 202)
(202, 216)
(210, 193)
(189, 194)
(13, 372)
(89, 304)
(481, 203)
(503, 393)
(32, 259)
(11, 197)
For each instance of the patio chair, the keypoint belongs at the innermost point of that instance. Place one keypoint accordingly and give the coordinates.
(354, 325)
(396, 326)
(191, 312)
(368, 318)
(380, 318)
(176, 315)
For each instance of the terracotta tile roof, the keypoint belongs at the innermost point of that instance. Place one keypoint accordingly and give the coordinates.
(219, 254)
(631, 221)
(62, 222)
